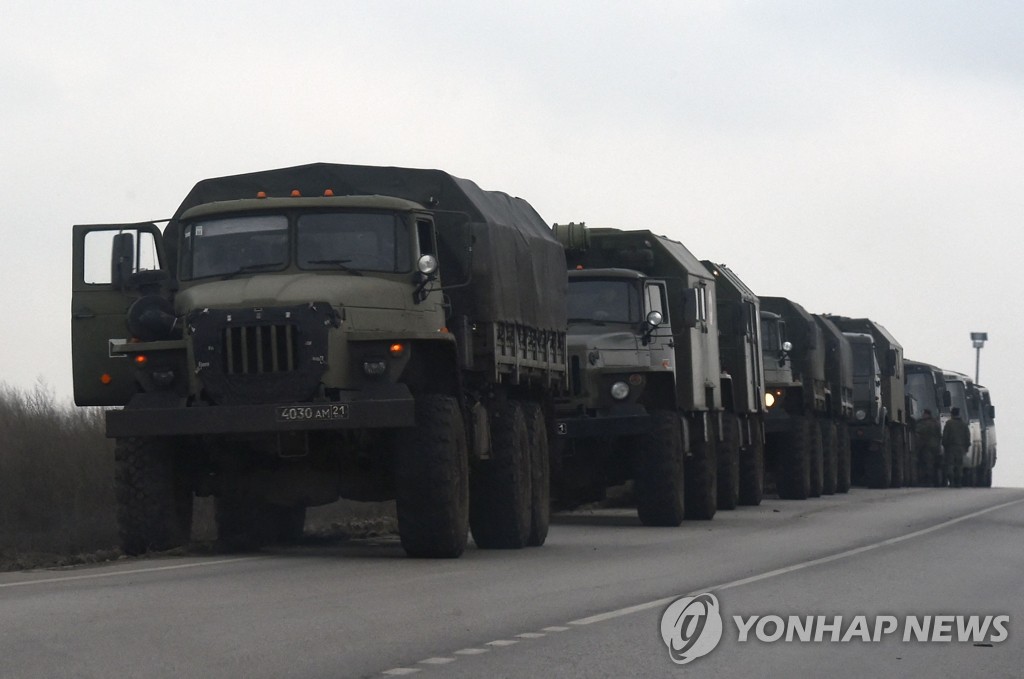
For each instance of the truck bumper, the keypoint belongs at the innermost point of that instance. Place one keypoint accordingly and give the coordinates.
(614, 423)
(386, 408)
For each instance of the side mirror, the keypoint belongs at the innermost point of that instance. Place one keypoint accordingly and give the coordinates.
(426, 271)
(947, 399)
(122, 259)
(991, 412)
(784, 354)
(653, 320)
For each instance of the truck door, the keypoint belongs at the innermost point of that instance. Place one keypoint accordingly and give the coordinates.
(99, 305)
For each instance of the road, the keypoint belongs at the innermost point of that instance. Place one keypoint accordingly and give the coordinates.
(587, 604)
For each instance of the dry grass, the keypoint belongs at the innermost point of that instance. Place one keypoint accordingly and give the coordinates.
(57, 494)
(56, 477)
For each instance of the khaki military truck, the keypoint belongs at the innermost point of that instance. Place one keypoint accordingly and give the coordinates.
(879, 435)
(796, 398)
(743, 388)
(302, 334)
(644, 400)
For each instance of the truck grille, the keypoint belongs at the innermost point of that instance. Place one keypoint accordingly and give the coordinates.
(260, 349)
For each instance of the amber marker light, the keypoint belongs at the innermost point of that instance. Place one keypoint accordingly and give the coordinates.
(329, 192)
(261, 194)
(140, 359)
(396, 349)
(296, 193)
(105, 378)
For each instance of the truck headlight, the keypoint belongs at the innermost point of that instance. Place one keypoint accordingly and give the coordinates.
(769, 399)
(620, 390)
(860, 414)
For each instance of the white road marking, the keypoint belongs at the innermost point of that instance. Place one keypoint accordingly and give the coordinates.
(601, 617)
(134, 571)
(531, 635)
(557, 628)
(437, 661)
(401, 671)
(502, 642)
(472, 651)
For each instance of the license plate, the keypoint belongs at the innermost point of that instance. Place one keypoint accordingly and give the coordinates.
(312, 413)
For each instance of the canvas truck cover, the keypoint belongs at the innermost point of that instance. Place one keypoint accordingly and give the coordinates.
(518, 268)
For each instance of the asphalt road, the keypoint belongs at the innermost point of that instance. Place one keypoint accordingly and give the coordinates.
(587, 604)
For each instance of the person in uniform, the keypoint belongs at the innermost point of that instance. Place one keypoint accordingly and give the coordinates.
(956, 439)
(929, 449)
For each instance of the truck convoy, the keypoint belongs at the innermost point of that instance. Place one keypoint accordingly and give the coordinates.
(325, 331)
(926, 390)
(645, 399)
(302, 334)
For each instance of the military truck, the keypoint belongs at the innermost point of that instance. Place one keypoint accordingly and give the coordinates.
(644, 400)
(839, 388)
(988, 437)
(743, 387)
(878, 436)
(302, 334)
(805, 408)
(926, 390)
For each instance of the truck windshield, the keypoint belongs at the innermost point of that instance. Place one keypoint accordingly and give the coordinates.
(921, 386)
(224, 247)
(603, 301)
(958, 396)
(863, 359)
(373, 241)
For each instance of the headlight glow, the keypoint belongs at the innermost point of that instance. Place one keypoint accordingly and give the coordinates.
(620, 390)
(860, 414)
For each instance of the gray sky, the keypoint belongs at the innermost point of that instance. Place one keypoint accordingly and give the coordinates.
(863, 158)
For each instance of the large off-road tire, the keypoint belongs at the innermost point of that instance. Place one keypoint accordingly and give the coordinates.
(246, 524)
(432, 480)
(154, 498)
(899, 458)
(500, 495)
(540, 472)
(700, 472)
(752, 466)
(659, 484)
(793, 469)
(878, 463)
(817, 468)
(830, 457)
(844, 459)
(729, 463)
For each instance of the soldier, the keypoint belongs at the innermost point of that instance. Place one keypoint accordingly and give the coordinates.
(956, 439)
(929, 450)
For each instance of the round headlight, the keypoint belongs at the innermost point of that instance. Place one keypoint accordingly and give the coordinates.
(769, 399)
(620, 390)
(427, 264)
(860, 414)
(654, 319)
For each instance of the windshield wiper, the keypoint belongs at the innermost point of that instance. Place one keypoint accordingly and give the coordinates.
(245, 268)
(340, 263)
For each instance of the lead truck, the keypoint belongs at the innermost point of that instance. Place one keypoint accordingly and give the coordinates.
(297, 335)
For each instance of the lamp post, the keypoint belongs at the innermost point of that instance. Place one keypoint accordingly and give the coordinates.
(978, 339)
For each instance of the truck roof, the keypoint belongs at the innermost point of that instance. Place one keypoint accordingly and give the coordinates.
(728, 282)
(518, 268)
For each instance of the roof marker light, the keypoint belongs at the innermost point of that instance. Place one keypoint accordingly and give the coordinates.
(296, 193)
(261, 194)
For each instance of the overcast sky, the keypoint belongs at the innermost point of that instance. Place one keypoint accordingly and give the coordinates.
(863, 158)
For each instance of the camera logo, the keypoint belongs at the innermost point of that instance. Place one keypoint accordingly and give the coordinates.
(691, 627)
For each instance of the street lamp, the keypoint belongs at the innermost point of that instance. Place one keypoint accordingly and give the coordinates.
(978, 339)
